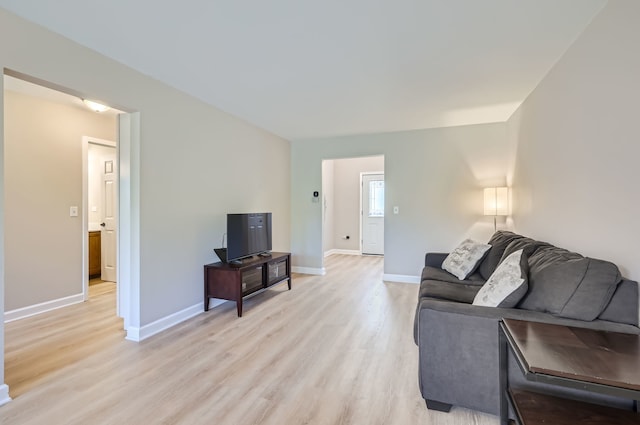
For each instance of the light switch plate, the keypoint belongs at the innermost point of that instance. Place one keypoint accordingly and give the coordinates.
(396, 210)
(73, 211)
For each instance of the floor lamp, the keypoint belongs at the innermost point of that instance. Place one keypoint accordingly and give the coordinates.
(496, 203)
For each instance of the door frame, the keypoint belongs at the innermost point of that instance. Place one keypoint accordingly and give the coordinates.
(86, 140)
(362, 174)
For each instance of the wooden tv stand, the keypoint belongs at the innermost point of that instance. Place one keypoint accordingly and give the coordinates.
(236, 282)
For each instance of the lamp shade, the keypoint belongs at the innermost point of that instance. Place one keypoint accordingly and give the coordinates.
(496, 201)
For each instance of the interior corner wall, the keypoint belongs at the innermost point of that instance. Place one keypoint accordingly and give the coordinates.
(43, 178)
(347, 198)
(434, 176)
(196, 163)
(576, 172)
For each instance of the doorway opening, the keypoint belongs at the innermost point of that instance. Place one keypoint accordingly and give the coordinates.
(345, 202)
(100, 206)
(59, 160)
(46, 177)
(43, 149)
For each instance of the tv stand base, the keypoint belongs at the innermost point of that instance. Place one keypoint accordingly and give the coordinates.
(237, 282)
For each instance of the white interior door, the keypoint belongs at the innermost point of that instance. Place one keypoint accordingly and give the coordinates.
(373, 214)
(109, 197)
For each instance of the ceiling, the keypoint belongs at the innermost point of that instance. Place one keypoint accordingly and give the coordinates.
(307, 69)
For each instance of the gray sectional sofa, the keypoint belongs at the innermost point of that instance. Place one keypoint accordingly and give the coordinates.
(458, 341)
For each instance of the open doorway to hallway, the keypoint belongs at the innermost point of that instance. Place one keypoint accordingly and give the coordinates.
(45, 157)
(100, 204)
(46, 217)
(352, 214)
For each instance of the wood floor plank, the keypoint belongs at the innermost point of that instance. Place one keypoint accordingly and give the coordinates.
(336, 349)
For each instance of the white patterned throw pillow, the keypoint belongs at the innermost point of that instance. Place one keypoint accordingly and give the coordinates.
(507, 285)
(465, 258)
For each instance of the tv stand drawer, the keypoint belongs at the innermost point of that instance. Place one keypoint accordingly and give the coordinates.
(278, 270)
(252, 280)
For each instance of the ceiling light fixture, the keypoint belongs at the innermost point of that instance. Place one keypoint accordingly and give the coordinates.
(95, 106)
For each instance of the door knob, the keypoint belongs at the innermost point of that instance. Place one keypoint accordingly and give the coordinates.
(102, 224)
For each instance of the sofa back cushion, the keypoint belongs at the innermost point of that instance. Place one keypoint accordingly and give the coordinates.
(569, 285)
(623, 307)
(498, 242)
(549, 255)
(527, 245)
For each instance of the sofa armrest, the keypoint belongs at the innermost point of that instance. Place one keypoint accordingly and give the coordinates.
(435, 259)
(458, 354)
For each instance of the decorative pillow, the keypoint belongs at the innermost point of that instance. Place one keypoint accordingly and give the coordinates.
(507, 285)
(465, 258)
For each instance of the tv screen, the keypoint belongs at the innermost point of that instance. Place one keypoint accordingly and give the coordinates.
(248, 235)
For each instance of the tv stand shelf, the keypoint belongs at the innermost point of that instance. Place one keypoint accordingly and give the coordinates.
(236, 282)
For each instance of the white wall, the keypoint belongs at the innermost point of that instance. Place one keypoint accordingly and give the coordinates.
(347, 198)
(577, 140)
(196, 163)
(43, 178)
(434, 176)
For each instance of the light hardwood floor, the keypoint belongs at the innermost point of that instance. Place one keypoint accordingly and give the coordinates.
(336, 349)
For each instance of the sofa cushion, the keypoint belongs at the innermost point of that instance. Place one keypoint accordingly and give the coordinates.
(569, 285)
(450, 291)
(594, 291)
(435, 273)
(498, 242)
(623, 307)
(464, 260)
(528, 245)
(548, 255)
(508, 283)
(549, 269)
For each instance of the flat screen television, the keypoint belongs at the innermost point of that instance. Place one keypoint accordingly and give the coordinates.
(248, 235)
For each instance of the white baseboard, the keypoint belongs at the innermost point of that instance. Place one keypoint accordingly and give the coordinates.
(402, 278)
(342, 251)
(4, 394)
(32, 310)
(309, 270)
(133, 334)
(138, 334)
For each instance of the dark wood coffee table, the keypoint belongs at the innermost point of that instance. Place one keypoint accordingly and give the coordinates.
(586, 359)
